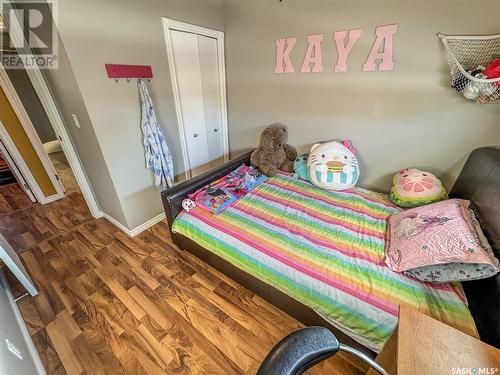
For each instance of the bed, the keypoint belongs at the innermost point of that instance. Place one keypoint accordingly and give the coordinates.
(318, 255)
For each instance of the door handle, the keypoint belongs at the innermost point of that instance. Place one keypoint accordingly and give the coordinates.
(216, 130)
(195, 135)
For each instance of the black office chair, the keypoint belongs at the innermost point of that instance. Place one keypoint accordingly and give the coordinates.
(305, 348)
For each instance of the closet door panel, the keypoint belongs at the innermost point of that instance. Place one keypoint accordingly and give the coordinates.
(189, 83)
(211, 100)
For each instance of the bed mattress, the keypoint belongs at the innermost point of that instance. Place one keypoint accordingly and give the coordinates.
(326, 250)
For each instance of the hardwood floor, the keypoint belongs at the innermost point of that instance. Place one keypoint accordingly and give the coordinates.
(13, 199)
(110, 304)
(25, 224)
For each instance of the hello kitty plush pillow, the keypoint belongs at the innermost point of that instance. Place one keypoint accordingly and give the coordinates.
(333, 165)
(413, 187)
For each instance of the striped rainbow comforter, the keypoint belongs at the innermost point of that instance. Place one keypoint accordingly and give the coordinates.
(326, 250)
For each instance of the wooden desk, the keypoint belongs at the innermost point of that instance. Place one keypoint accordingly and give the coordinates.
(423, 345)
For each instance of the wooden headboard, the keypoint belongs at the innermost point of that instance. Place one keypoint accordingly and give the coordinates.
(479, 182)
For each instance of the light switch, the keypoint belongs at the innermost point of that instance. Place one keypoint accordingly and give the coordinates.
(75, 120)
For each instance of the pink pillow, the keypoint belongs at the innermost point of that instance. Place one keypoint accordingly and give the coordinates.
(441, 233)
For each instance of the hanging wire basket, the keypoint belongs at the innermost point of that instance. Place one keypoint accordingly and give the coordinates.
(468, 56)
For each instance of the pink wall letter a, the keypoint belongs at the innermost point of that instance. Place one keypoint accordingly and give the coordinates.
(383, 34)
(344, 50)
(313, 45)
(283, 55)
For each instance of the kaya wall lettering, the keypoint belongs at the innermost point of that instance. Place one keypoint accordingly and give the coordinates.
(380, 57)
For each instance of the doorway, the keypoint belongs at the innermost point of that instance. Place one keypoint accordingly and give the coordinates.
(196, 61)
(63, 169)
(52, 147)
(49, 106)
(30, 151)
(22, 153)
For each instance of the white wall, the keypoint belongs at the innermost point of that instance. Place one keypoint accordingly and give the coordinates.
(405, 117)
(128, 32)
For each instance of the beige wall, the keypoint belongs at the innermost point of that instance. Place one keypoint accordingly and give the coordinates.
(125, 32)
(405, 117)
(69, 100)
(408, 116)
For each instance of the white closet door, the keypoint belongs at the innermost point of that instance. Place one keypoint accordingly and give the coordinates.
(211, 97)
(188, 74)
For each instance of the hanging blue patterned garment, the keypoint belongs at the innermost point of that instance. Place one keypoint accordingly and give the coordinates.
(157, 153)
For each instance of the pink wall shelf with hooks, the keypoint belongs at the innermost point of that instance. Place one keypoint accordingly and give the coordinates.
(118, 71)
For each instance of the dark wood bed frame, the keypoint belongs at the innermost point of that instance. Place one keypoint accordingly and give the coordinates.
(479, 182)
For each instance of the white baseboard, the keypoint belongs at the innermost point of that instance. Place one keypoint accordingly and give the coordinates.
(147, 224)
(116, 223)
(135, 231)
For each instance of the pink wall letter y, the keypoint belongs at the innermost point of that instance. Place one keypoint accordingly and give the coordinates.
(283, 55)
(383, 34)
(343, 50)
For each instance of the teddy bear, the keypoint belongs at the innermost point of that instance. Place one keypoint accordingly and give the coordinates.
(274, 153)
